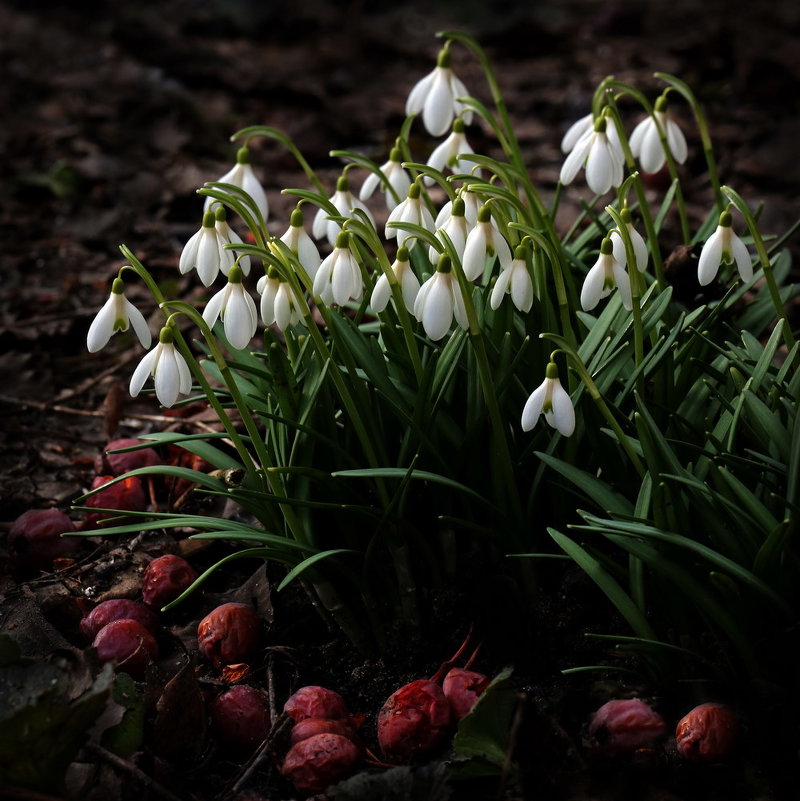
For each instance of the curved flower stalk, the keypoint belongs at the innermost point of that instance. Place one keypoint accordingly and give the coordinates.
(230, 237)
(455, 227)
(412, 210)
(639, 245)
(409, 284)
(448, 154)
(279, 304)
(551, 400)
(344, 202)
(435, 96)
(516, 280)
(301, 244)
(206, 251)
(339, 276)
(169, 370)
(602, 157)
(439, 300)
(483, 241)
(117, 314)
(723, 247)
(606, 274)
(397, 183)
(236, 309)
(646, 144)
(242, 175)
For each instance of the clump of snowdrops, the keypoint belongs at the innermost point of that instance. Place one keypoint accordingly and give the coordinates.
(469, 383)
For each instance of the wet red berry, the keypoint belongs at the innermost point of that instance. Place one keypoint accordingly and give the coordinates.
(707, 733)
(165, 578)
(127, 643)
(462, 689)
(126, 495)
(35, 537)
(308, 727)
(316, 702)
(240, 718)
(229, 634)
(118, 463)
(314, 764)
(118, 609)
(414, 720)
(625, 725)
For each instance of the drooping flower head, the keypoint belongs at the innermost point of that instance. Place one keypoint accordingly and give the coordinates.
(646, 144)
(344, 203)
(412, 210)
(169, 370)
(440, 299)
(551, 400)
(472, 204)
(723, 247)
(606, 274)
(206, 251)
(230, 237)
(516, 280)
(484, 242)
(242, 175)
(455, 226)
(639, 245)
(448, 154)
(279, 304)
(409, 283)
(236, 309)
(301, 244)
(339, 276)
(117, 314)
(602, 157)
(396, 184)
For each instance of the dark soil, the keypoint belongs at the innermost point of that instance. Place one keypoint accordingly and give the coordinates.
(113, 115)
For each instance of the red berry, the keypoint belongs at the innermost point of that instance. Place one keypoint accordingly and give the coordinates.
(625, 725)
(707, 733)
(118, 609)
(462, 688)
(119, 463)
(229, 634)
(414, 720)
(316, 702)
(127, 643)
(165, 578)
(314, 764)
(35, 536)
(308, 727)
(126, 495)
(240, 717)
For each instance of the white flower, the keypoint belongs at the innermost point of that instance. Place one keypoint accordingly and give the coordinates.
(411, 210)
(646, 144)
(639, 245)
(439, 299)
(168, 368)
(484, 240)
(455, 226)
(206, 251)
(515, 279)
(602, 157)
(552, 400)
(236, 309)
(345, 203)
(279, 304)
(409, 284)
(230, 237)
(582, 127)
(116, 315)
(242, 175)
(397, 181)
(301, 244)
(472, 204)
(448, 153)
(723, 247)
(606, 274)
(435, 96)
(339, 276)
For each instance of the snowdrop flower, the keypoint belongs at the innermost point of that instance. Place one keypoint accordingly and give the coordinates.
(345, 203)
(723, 247)
(515, 279)
(435, 96)
(472, 204)
(646, 144)
(483, 241)
(397, 181)
(339, 276)
(583, 127)
(639, 246)
(456, 228)
(242, 175)
(231, 238)
(279, 304)
(301, 244)
(606, 274)
(448, 153)
(601, 156)
(206, 251)
(236, 309)
(409, 284)
(117, 314)
(168, 368)
(412, 210)
(551, 400)
(439, 299)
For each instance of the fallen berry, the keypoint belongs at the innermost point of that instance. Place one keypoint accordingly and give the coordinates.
(35, 537)
(308, 727)
(127, 643)
(316, 702)
(229, 634)
(414, 720)
(314, 764)
(462, 688)
(126, 495)
(625, 725)
(707, 733)
(165, 578)
(118, 609)
(240, 718)
(118, 463)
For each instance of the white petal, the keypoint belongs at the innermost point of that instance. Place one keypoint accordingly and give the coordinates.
(441, 156)
(459, 90)
(401, 182)
(743, 261)
(618, 248)
(422, 296)
(409, 284)
(189, 253)
(652, 154)
(145, 369)
(575, 160)
(240, 325)
(320, 224)
(533, 407)
(676, 141)
(167, 377)
(323, 277)
(268, 295)
(592, 288)
(576, 131)
(710, 256)
(235, 239)
(416, 98)
(102, 326)
(369, 186)
(208, 256)
(474, 260)
(562, 417)
(437, 314)
(500, 288)
(342, 282)
(638, 135)
(599, 166)
(380, 294)
(639, 248)
(215, 306)
(459, 309)
(623, 285)
(253, 187)
(184, 375)
(437, 114)
(283, 307)
(139, 324)
(501, 249)
(397, 215)
(521, 288)
(307, 254)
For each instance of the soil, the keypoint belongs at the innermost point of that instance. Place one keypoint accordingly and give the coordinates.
(113, 115)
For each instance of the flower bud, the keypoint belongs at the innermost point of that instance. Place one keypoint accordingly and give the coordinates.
(625, 725)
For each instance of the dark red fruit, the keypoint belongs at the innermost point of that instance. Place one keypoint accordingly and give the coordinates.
(707, 733)
(127, 643)
(462, 688)
(414, 720)
(119, 463)
(314, 764)
(229, 634)
(625, 725)
(118, 609)
(316, 702)
(165, 578)
(308, 727)
(35, 537)
(240, 718)
(127, 495)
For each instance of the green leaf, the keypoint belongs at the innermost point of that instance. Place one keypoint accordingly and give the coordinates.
(307, 563)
